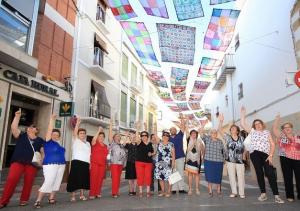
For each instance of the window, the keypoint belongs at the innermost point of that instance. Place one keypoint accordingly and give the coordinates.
(132, 111)
(17, 20)
(100, 15)
(141, 112)
(150, 122)
(240, 91)
(123, 107)
(141, 81)
(237, 42)
(99, 106)
(133, 75)
(124, 66)
(98, 56)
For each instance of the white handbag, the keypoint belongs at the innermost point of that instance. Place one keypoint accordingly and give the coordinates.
(247, 141)
(174, 177)
(37, 159)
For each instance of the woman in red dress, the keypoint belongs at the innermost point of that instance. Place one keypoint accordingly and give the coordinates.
(98, 164)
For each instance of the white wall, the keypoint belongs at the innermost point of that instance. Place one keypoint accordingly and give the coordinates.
(265, 54)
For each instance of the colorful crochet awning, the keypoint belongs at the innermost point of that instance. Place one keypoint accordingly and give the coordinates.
(188, 9)
(199, 114)
(174, 108)
(194, 105)
(183, 106)
(140, 39)
(195, 97)
(213, 2)
(177, 43)
(178, 83)
(220, 29)
(209, 67)
(200, 86)
(157, 78)
(121, 9)
(165, 96)
(155, 8)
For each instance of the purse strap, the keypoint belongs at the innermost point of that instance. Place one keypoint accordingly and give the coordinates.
(31, 144)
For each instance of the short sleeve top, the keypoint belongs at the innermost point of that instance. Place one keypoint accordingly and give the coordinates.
(131, 152)
(289, 147)
(214, 150)
(81, 150)
(117, 153)
(260, 141)
(23, 152)
(54, 153)
(235, 149)
(178, 144)
(142, 152)
(99, 153)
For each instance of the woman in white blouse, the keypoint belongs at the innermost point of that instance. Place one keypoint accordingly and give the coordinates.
(79, 177)
(261, 151)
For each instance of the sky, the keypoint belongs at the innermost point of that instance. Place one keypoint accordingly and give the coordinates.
(201, 25)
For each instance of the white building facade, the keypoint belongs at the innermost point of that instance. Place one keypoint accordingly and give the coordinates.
(258, 72)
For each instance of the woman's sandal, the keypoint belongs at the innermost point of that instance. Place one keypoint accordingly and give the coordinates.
(23, 203)
(82, 198)
(149, 194)
(37, 205)
(161, 194)
(140, 194)
(73, 199)
(51, 201)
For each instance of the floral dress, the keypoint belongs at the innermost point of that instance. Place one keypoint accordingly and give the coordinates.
(163, 166)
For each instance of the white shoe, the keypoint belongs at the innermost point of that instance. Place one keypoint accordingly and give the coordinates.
(233, 195)
(278, 200)
(262, 197)
(242, 196)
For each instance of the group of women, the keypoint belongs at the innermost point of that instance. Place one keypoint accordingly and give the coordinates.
(149, 158)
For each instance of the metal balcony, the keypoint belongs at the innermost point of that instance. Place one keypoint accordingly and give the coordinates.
(98, 65)
(228, 67)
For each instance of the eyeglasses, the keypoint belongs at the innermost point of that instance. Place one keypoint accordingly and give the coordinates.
(287, 127)
(144, 135)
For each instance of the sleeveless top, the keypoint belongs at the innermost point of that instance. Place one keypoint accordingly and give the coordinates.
(54, 153)
(81, 150)
(99, 153)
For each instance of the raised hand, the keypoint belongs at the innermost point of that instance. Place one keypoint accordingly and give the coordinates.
(100, 129)
(243, 110)
(221, 117)
(18, 113)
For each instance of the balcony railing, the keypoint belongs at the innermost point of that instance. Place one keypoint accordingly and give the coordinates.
(98, 66)
(228, 67)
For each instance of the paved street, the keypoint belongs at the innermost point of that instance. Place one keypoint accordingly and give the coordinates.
(176, 202)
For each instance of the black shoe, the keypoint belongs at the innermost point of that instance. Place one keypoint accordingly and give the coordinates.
(183, 191)
(174, 191)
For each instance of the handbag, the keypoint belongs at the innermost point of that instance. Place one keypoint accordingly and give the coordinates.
(247, 141)
(37, 159)
(174, 177)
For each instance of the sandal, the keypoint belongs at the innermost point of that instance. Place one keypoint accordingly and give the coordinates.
(82, 198)
(92, 197)
(37, 205)
(99, 196)
(210, 194)
(197, 192)
(51, 201)
(190, 193)
(167, 195)
(73, 199)
(161, 194)
(23, 203)
(149, 194)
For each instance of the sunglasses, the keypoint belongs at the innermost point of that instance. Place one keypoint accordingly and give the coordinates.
(166, 134)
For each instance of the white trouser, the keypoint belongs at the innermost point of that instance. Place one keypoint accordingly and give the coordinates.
(53, 175)
(236, 170)
(180, 168)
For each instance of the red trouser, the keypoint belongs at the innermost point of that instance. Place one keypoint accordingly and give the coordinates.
(116, 171)
(97, 174)
(15, 172)
(143, 173)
